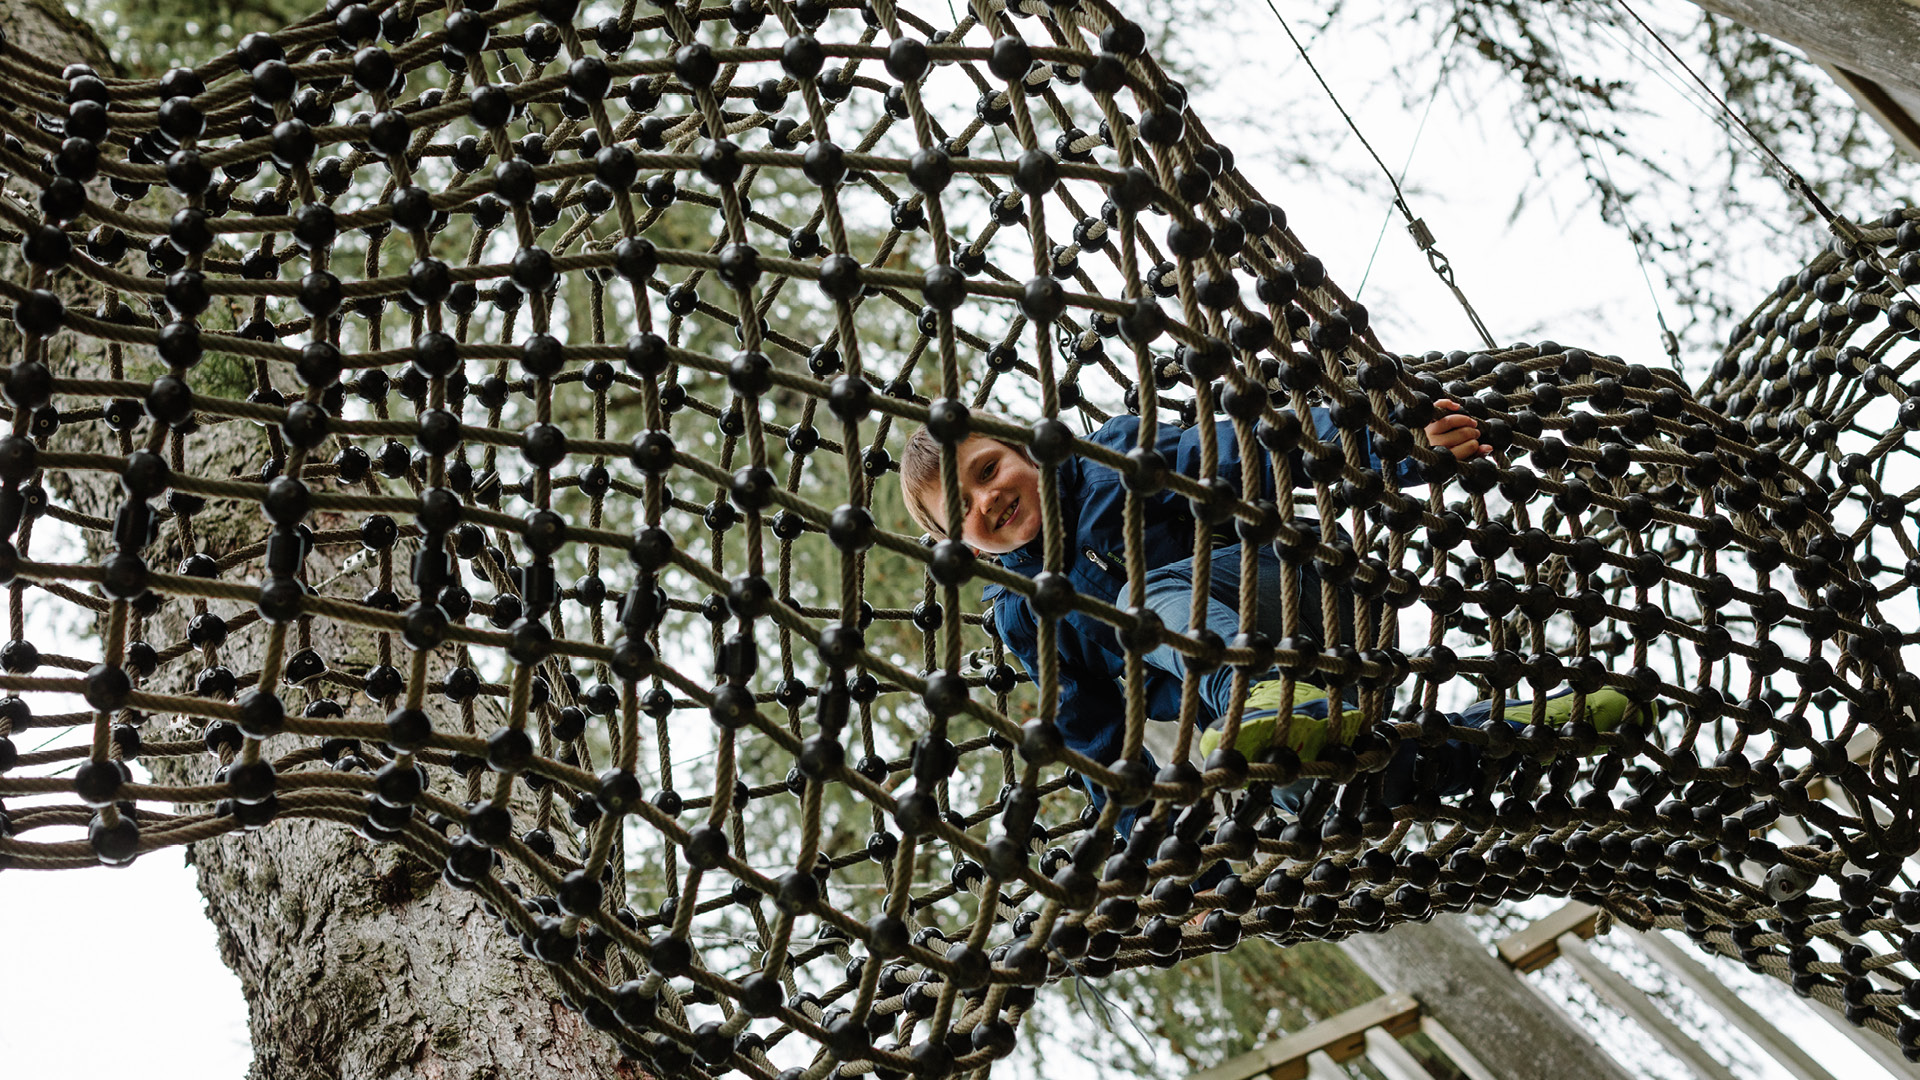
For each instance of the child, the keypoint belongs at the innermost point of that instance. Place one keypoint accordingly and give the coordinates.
(1000, 495)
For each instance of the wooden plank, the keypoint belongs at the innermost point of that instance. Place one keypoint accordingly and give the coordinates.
(1385, 1053)
(1322, 1067)
(1862, 745)
(1630, 999)
(1341, 1037)
(1456, 1051)
(1401, 1025)
(1490, 1016)
(1881, 1049)
(1701, 980)
(1536, 946)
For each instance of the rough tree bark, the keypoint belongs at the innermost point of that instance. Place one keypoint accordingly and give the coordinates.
(1502, 1021)
(355, 961)
(1872, 37)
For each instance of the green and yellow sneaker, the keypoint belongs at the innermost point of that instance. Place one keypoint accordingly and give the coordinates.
(1306, 733)
(1607, 708)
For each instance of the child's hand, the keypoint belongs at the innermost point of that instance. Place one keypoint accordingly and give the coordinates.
(1456, 432)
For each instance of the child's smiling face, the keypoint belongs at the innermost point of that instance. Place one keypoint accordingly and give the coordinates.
(1000, 493)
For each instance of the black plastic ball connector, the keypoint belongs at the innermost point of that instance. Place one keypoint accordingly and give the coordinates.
(944, 287)
(1749, 487)
(1050, 443)
(115, 842)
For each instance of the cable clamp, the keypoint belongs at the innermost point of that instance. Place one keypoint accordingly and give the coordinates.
(1422, 235)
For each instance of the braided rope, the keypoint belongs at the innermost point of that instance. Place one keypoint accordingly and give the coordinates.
(548, 188)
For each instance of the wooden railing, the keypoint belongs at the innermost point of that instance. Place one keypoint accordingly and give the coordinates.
(1564, 935)
(1373, 1031)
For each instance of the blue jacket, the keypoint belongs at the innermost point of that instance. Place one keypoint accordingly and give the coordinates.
(1092, 712)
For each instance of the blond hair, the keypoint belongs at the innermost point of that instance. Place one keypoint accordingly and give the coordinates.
(920, 483)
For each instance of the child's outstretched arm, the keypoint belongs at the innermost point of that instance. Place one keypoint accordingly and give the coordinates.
(1456, 431)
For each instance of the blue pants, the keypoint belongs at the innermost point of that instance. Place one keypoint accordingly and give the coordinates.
(1170, 596)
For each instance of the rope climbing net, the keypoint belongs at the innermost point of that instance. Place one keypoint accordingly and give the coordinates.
(342, 354)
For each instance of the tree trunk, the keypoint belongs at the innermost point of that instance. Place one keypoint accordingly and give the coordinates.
(355, 959)
(1872, 37)
(1491, 1010)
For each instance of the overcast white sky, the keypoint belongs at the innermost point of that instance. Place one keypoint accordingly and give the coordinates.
(129, 953)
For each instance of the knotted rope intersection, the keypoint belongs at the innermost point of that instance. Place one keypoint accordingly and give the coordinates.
(465, 302)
